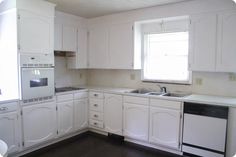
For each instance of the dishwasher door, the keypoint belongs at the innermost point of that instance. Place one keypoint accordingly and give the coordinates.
(204, 131)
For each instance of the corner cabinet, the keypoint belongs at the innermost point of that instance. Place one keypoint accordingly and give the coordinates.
(36, 33)
(226, 53)
(165, 122)
(39, 123)
(113, 113)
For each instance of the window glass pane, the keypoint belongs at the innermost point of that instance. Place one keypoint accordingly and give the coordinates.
(166, 57)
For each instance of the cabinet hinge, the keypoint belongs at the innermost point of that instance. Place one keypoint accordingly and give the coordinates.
(23, 143)
(18, 46)
(57, 132)
(21, 113)
(181, 116)
(56, 108)
(18, 16)
(132, 27)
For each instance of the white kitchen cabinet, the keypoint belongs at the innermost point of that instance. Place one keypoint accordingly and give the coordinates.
(113, 113)
(10, 130)
(98, 47)
(80, 113)
(36, 33)
(65, 117)
(164, 127)
(39, 123)
(203, 36)
(121, 46)
(69, 42)
(79, 60)
(226, 52)
(58, 37)
(135, 123)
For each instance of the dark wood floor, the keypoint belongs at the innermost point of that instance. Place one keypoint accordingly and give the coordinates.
(93, 145)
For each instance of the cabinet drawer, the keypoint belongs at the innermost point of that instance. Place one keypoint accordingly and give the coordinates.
(95, 123)
(66, 97)
(97, 95)
(136, 100)
(8, 107)
(81, 95)
(165, 104)
(96, 105)
(96, 115)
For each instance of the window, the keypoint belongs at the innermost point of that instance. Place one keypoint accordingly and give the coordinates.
(165, 57)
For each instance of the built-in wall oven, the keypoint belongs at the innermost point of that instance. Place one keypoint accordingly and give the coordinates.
(37, 77)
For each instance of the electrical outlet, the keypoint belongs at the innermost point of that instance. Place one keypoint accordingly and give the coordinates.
(132, 76)
(199, 81)
(232, 77)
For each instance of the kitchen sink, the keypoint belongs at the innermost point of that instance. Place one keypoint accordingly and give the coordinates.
(140, 91)
(155, 93)
(175, 94)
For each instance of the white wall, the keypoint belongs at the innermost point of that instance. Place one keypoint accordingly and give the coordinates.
(212, 83)
(65, 77)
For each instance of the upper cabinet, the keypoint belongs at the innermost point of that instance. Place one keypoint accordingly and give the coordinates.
(35, 33)
(203, 42)
(212, 45)
(112, 46)
(98, 47)
(121, 46)
(226, 53)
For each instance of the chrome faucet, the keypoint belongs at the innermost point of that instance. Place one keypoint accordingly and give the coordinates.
(163, 89)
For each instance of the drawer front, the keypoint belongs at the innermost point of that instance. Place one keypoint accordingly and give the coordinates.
(96, 105)
(136, 100)
(95, 123)
(96, 115)
(81, 95)
(166, 104)
(96, 95)
(8, 107)
(66, 97)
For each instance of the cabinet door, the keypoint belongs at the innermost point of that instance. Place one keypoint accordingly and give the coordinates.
(98, 47)
(69, 41)
(35, 33)
(10, 130)
(58, 37)
(65, 117)
(226, 42)
(164, 127)
(39, 123)
(136, 121)
(203, 42)
(121, 43)
(81, 114)
(113, 113)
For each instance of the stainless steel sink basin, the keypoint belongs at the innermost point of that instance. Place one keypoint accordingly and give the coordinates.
(140, 91)
(155, 93)
(175, 95)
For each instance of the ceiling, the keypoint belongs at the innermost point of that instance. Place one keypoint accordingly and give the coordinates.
(95, 8)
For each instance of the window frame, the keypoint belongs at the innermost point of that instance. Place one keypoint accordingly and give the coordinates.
(143, 54)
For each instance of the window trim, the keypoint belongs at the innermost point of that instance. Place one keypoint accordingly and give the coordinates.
(143, 51)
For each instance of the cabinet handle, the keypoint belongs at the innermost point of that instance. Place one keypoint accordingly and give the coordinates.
(95, 95)
(95, 123)
(95, 116)
(95, 105)
(3, 109)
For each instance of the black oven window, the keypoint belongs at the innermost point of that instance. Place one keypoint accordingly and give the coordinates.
(39, 82)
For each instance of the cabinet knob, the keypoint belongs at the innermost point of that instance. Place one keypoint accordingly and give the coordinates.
(3, 109)
(95, 105)
(95, 123)
(95, 116)
(95, 95)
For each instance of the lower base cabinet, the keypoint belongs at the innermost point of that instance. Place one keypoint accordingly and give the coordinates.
(81, 114)
(65, 117)
(136, 121)
(10, 130)
(39, 123)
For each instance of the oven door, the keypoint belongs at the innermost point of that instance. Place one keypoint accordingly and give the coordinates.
(37, 82)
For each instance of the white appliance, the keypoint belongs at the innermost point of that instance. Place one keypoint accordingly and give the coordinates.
(37, 76)
(205, 128)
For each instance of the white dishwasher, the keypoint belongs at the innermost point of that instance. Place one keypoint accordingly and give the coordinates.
(205, 128)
